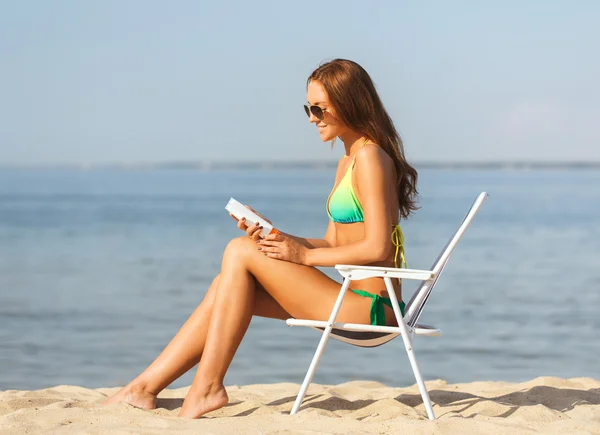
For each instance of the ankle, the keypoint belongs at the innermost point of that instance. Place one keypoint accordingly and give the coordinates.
(141, 387)
(208, 388)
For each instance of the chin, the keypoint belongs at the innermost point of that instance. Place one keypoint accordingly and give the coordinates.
(327, 137)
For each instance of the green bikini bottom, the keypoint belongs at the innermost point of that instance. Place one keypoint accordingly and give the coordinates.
(377, 313)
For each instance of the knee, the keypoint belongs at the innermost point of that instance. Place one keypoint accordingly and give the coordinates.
(240, 248)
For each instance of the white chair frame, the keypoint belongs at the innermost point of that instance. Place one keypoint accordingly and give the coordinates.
(407, 324)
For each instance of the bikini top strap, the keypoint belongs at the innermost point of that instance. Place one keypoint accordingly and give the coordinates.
(362, 145)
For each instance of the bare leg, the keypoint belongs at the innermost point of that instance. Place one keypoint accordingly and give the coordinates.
(300, 290)
(184, 351)
(231, 317)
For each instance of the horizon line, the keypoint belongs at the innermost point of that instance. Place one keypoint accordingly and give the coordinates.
(295, 163)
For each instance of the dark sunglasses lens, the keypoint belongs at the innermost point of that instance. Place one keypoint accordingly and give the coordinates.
(318, 112)
(315, 110)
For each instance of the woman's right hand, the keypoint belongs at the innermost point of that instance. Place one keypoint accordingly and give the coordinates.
(253, 231)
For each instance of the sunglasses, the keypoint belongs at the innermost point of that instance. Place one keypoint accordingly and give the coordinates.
(317, 111)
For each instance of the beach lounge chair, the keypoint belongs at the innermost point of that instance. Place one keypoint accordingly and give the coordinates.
(371, 335)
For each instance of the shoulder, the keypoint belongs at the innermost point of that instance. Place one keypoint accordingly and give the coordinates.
(371, 158)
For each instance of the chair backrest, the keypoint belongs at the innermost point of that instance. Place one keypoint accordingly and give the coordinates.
(415, 305)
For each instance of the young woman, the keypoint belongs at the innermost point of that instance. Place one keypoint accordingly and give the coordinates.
(276, 276)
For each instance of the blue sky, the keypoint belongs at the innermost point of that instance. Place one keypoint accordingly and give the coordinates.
(148, 81)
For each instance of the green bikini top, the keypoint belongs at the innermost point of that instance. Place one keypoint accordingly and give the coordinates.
(344, 207)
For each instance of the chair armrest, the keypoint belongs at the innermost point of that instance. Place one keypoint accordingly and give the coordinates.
(364, 272)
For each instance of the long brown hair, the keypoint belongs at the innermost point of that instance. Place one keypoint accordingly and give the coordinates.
(357, 104)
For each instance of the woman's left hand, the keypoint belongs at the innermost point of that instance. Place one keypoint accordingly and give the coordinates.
(283, 248)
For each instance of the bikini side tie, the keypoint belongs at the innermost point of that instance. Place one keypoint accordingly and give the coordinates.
(398, 242)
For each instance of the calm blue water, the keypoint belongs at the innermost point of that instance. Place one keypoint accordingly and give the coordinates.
(98, 270)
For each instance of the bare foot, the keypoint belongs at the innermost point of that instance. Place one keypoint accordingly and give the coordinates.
(135, 396)
(197, 404)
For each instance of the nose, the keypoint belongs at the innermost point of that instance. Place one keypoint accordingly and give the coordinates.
(312, 118)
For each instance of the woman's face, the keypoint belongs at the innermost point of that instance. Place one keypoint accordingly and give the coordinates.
(329, 127)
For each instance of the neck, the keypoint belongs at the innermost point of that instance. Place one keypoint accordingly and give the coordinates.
(352, 142)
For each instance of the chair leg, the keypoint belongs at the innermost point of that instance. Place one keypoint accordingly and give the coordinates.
(419, 378)
(321, 348)
(409, 349)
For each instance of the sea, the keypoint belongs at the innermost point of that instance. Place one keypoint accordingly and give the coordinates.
(100, 267)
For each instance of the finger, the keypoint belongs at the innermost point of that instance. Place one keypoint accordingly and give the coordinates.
(274, 255)
(256, 234)
(242, 224)
(268, 249)
(272, 243)
(274, 237)
(234, 218)
(251, 229)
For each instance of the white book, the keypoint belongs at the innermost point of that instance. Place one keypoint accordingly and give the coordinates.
(238, 210)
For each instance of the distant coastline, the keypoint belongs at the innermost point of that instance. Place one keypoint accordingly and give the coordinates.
(307, 164)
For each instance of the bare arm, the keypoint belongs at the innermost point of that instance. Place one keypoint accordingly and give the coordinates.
(374, 173)
(327, 242)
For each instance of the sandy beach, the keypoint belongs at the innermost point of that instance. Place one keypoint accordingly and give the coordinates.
(544, 404)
